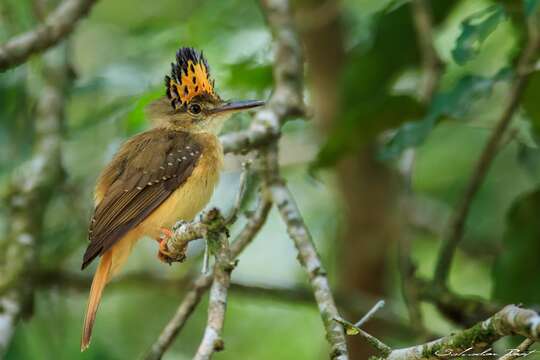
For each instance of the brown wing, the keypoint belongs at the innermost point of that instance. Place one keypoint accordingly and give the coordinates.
(147, 169)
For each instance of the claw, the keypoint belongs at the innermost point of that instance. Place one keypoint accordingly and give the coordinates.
(164, 255)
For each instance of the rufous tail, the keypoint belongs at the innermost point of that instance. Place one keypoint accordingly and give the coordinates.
(96, 290)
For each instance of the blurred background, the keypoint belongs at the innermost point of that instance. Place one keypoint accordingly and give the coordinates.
(369, 200)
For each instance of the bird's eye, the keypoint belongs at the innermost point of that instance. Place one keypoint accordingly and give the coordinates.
(195, 109)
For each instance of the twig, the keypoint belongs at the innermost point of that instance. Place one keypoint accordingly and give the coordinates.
(233, 214)
(520, 351)
(457, 224)
(378, 306)
(58, 25)
(203, 282)
(355, 329)
(352, 329)
(308, 257)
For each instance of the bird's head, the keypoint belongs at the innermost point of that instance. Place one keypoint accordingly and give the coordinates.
(192, 103)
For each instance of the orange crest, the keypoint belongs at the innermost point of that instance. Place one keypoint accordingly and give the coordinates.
(190, 76)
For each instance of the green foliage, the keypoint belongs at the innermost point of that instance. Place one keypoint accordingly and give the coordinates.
(369, 107)
(475, 30)
(362, 124)
(518, 262)
(452, 104)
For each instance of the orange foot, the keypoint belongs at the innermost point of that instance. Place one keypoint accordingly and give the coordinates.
(164, 254)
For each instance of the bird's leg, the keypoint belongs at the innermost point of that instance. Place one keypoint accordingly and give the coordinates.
(163, 253)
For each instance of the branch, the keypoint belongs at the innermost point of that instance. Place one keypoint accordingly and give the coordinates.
(203, 282)
(308, 257)
(457, 224)
(461, 310)
(58, 25)
(510, 320)
(30, 191)
(217, 304)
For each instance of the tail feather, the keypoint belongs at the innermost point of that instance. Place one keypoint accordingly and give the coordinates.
(101, 277)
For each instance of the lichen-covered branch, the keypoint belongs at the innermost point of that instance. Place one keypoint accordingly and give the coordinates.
(56, 26)
(457, 224)
(30, 191)
(203, 282)
(510, 320)
(217, 303)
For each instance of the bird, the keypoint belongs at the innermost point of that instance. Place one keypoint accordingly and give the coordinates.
(160, 176)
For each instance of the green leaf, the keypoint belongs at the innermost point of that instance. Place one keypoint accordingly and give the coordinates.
(517, 266)
(475, 30)
(450, 104)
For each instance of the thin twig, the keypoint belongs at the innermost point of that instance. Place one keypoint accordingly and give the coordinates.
(457, 224)
(355, 329)
(58, 25)
(378, 306)
(352, 329)
(203, 282)
(233, 214)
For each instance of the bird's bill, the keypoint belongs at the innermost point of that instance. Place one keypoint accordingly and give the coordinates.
(237, 106)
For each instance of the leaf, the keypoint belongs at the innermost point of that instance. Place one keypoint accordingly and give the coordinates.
(475, 30)
(450, 104)
(517, 266)
(368, 105)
